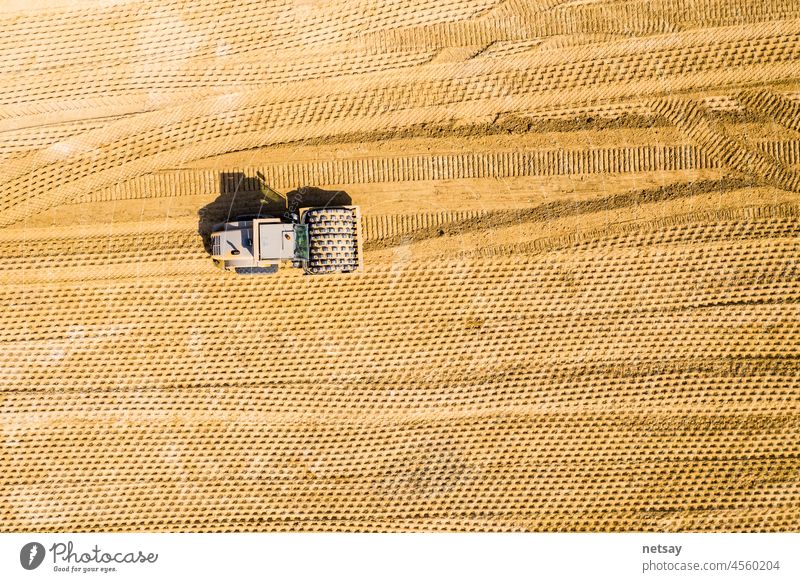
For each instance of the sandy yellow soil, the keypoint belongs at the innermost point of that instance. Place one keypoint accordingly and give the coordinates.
(579, 310)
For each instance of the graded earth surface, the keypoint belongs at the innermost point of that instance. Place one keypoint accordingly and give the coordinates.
(579, 309)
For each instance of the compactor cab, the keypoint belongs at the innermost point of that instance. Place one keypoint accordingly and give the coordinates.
(318, 240)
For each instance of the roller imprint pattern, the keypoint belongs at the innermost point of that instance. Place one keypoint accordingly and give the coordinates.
(503, 313)
(155, 139)
(194, 29)
(517, 21)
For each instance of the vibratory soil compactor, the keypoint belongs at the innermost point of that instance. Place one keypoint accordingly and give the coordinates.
(320, 241)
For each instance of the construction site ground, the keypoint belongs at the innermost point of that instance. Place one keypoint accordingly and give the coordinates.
(579, 309)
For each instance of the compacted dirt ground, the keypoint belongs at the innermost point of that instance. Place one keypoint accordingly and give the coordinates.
(580, 304)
